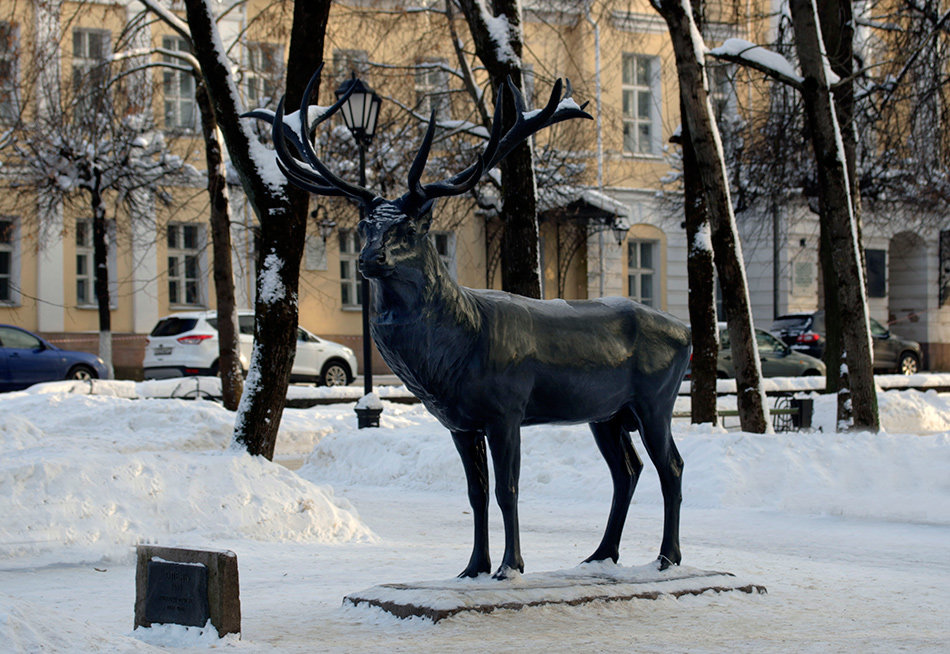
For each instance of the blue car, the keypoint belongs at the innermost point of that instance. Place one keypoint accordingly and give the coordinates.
(27, 359)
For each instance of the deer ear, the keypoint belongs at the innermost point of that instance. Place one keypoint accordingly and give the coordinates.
(423, 218)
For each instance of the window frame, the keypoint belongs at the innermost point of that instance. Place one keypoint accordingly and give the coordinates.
(90, 251)
(448, 258)
(9, 59)
(636, 271)
(13, 275)
(90, 71)
(431, 87)
(258, 76)
(636, 87)
(172, 79)
(180, 252)
(350, 278)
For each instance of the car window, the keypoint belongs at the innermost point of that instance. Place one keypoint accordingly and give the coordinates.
(818, 323)
(724, 339)
(877, 329)
(246, 324)
(174, 326)
(768, 343)
(213, 322)
(789, 322)
(17, 339)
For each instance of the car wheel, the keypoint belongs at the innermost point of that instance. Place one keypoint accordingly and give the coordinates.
(335, 373)
(81, 373)
(908, 364)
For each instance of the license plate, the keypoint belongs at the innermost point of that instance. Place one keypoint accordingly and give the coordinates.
(162, 350)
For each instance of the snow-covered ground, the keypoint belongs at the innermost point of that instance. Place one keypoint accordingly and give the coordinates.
(850, 533)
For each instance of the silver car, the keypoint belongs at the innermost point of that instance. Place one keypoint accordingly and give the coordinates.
(186, 344)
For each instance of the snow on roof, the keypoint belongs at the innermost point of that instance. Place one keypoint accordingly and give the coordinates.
(561, 195)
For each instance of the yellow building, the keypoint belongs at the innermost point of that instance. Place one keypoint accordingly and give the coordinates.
(619, 60)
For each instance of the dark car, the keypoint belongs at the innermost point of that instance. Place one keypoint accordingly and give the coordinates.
(805, 332)
(27, 359)
(778, 360)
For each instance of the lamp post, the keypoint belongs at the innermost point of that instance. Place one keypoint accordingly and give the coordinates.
(360, 112)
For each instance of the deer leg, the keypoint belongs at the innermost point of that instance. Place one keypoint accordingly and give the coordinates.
(655, 432)
(504, 440)
(613, 441)
(471, 448)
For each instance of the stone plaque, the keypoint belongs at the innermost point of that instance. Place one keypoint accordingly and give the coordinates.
(174, 585)
(177, 593)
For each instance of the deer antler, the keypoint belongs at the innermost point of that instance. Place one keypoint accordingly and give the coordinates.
(311, 174)
(557, 109)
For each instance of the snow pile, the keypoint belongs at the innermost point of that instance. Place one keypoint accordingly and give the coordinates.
(86, 477)
(27, 627)
(799, 472)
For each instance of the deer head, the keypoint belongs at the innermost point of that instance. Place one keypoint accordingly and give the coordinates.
(393, 231)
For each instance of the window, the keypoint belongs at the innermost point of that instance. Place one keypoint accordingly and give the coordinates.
(349, 271)
(7, 261)
(263, 73)
(85, 264)
(8, 72)
(432, 89)
(179, 89)
(184, 265)
(641, 132)
(445, 245)
(18, 339)
(90, 71)
(350, 62)
(876, 262)
(721, 91)
(641, 271)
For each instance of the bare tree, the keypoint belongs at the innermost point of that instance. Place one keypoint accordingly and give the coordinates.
(839, 223)
(499, 43)
(94, 147)
(700, 123)
(229, 363)
(282, 213)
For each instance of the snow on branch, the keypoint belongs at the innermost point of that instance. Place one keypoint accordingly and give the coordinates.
(169, 18)
(749, 54)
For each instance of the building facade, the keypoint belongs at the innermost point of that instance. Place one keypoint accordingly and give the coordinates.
(600, 175)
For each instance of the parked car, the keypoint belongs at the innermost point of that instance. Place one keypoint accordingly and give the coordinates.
(778, 360)
(186, 343)
(805, 332)
(27, 359)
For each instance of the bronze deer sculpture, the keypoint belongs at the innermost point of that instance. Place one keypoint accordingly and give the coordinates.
(487, 362)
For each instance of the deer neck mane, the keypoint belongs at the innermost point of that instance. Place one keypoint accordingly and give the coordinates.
(421, 291)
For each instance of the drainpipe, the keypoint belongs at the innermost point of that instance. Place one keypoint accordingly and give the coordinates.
(600, 137)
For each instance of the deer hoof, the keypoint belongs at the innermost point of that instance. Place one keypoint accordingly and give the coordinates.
(506, 572)
(665, 562)
(603, 554)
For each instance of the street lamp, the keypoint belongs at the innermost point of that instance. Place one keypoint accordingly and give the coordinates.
(360, 112)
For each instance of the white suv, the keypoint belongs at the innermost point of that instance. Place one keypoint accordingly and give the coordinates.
(186, 343)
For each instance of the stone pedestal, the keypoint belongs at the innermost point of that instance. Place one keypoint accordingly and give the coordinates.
(594, 582)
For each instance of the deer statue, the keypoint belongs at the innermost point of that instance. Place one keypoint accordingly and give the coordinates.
(486, 362)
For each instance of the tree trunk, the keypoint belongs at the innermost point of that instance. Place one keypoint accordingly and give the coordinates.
(701, 274)
(837, 29)
(702, 291)
(704, 136)
(100, 255)
(837, 217)
(520, 262)
(283, 224)
(229, 361)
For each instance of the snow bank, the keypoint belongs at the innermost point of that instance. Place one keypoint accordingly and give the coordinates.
(815, 473)
(27, 627)
(87, 477)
